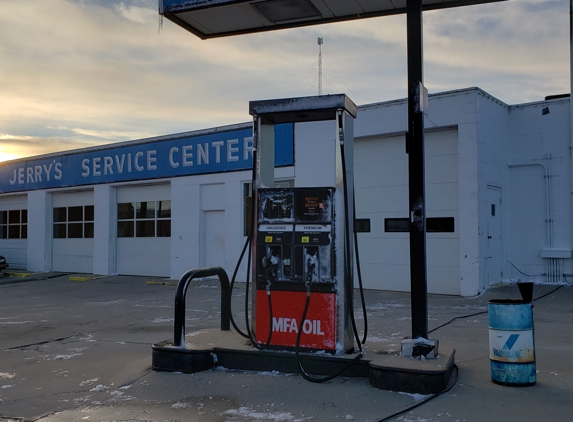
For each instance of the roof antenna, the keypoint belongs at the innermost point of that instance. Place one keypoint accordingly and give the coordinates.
(320, 42)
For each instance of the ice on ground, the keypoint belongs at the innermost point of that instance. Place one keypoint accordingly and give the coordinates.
(374, 339)
(4, 375)
(416, 397)
(65, 357)
(384, 306)
(275, 373)
(264, 416)
(195, 333)
(163, 320)
(8, 386)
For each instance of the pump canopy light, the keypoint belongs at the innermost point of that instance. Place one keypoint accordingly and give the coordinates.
(219, 18)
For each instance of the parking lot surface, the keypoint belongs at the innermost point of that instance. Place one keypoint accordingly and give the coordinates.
(80, 350)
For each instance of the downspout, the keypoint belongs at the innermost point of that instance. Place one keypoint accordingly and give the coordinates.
(571, 104)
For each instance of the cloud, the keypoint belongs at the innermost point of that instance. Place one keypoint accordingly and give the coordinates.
(105, 73)
(13, 146)
(136, 14)
(113, 135)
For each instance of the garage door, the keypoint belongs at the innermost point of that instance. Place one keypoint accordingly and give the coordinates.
(381, 171)
(144, 230)
(14, 230)
(73, 232)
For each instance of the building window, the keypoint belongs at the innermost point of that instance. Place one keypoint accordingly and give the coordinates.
(144, 219)
(440, 225)
(75, 222)
(433, 225)
(362, 225)
(14, 224)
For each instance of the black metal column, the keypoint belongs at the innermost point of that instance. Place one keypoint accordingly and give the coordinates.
(416, 184)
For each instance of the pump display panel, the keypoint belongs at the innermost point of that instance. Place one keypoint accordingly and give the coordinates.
(293, 250)
(294, 239)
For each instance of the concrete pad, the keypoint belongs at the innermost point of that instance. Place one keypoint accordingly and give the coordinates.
(210, 348)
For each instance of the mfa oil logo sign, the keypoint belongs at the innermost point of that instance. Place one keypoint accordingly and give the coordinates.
(511, 346)
(318, 328)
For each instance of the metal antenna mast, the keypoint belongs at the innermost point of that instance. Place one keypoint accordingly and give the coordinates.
(320, 42)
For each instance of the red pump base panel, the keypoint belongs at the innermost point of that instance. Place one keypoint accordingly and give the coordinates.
(318, 329)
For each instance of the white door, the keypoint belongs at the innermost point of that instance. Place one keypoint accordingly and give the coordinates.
(493, 258)
(381, 171)
(144, 230)
(73, 232)
(213, 239)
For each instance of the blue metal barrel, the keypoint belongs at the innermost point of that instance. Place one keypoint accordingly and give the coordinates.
(511, 342)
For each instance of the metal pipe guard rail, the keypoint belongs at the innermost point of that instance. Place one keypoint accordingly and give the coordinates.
(179, 331)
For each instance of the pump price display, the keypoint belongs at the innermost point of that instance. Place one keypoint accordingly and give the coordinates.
(312, 234)
(276, 233)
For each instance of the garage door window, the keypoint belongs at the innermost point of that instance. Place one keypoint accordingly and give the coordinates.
(74, 222)
(14, 224)
(144, 219)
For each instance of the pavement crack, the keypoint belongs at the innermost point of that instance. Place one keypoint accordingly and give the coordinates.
(122, 342)
(40, 343)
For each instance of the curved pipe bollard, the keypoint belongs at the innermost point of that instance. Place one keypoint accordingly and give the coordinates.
(179, 331)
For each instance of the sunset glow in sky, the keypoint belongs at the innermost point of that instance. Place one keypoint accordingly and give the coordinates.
(80, 73)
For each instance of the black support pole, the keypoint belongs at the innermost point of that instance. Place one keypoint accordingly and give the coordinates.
(416, 182)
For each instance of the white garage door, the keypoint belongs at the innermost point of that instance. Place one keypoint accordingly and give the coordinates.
(144, 230)
(14, 230)
(381, 171)
(73, 232)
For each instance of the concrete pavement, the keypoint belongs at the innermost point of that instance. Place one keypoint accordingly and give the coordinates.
(73, 350)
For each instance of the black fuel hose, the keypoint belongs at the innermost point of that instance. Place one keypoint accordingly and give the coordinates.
(248, 242)
(347, 279)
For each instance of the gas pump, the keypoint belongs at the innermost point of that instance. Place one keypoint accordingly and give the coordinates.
(303, 237)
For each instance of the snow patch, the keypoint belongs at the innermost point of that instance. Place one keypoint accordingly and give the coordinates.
(4, 375)
(179, 405)
(271, 373)
(264, 416)
(8, 386)
(416, 397)
(99, 388)
(65, 357)
(88, 382)
(163, 320)
(196, 333)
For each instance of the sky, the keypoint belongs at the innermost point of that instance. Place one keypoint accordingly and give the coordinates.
(83, 73)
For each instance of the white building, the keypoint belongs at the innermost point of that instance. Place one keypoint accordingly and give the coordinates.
(499, 196)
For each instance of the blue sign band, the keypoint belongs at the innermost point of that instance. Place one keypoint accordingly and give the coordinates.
(201, 154)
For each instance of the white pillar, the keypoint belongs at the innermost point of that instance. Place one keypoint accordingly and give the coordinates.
(105, 230)
(39, 231)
